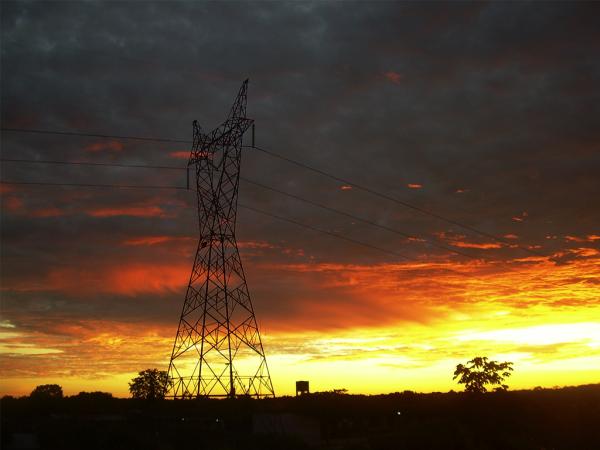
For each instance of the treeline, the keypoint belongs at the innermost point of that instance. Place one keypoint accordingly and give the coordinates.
(564, 418)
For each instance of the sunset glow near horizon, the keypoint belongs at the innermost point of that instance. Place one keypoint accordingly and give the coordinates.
(471, 126)
(451, 312)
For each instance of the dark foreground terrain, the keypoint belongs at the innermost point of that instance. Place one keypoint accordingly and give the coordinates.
(567, 418)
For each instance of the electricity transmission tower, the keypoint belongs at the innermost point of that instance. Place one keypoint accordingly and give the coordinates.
(218, 351)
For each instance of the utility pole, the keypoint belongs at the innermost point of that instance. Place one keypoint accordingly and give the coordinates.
(218, 351)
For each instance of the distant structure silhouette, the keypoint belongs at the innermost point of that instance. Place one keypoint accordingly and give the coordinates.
(218, 350)
(302, 388)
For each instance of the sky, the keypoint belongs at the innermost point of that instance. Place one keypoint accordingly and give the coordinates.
(482, 113)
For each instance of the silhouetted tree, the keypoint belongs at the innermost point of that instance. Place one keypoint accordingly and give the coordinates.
(480, 371)
(96, 395)
(342, 391)
(47, 391)
(150, 384)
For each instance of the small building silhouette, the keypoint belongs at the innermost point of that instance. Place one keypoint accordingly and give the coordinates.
(302, 388)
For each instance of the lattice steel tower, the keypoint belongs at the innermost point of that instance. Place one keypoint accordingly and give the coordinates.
(218, 351)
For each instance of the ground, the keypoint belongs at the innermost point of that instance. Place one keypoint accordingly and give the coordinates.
(565, 418)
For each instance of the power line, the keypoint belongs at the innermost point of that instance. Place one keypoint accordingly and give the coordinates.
(97, 135)
(352, 216)
(84, 163)
(285, 219)
(263, 186)
(259, 211)
(273, 154)
(329, 233)
(95, 185)
(304, 166)
(392, 199)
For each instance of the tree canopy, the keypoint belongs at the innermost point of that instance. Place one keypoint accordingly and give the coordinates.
(481, 371)
(96, 395)
(150, 384)
(47, 391)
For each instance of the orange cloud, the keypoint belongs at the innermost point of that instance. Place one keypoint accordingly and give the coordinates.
(332, 296)
(111, 146)
(126, 275)
(449, 235)
(588, 238)
(521, 217)
(185, 245)
(474, 245)
(13, 204)
(459, 240)
(154, 240)
(90, 350)
(185, 154)
(152, 278)
(345, 188)
(511, 236)
(255, 244)
(46, 212)
(587, 252)
(4, 188)
(17, 206)
(414, 186)
(125, 279)
(417, 319)
(392, 76)
(133, 211)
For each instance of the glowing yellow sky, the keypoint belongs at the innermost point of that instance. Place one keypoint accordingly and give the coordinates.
(543, 317)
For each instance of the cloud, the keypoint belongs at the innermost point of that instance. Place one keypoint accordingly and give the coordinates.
(5, 188)
(588, 238)
(255, 245)
(459, 240)
(485, 246)
(133, 211)
(46, 212)
(371, 295)
(520, 218)
(184, 154)
(392, 76)
(13, 204)
(88, 349)
(569, 255)
(155, 240)
(122, 279)
(104, 145)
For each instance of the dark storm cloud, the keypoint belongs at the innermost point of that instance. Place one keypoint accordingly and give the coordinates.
(498, 100)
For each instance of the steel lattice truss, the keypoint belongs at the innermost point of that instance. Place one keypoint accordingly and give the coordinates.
(218, 351)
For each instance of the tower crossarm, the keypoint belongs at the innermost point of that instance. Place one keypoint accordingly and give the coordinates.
(220, 139)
